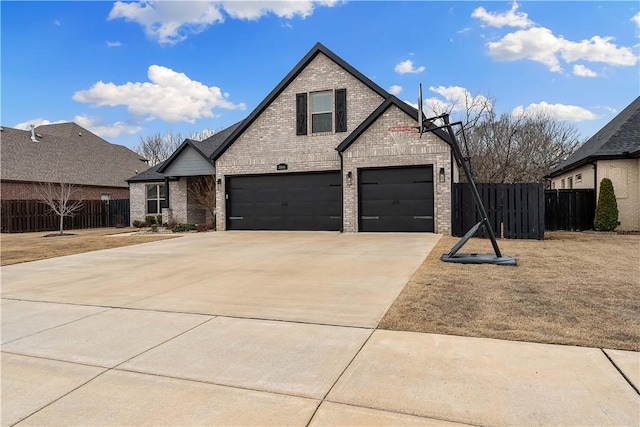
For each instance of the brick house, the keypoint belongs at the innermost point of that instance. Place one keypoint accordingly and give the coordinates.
(68, 153)
(318, 153)
(614, 153)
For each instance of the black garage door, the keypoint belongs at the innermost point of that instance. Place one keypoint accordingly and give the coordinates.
(396, 199)
(309, 201)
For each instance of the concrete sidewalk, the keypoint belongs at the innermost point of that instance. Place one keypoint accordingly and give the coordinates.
(69, 358)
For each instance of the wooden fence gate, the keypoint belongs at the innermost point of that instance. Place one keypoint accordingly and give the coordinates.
(569, 210)
(515, 211)
(20, 216)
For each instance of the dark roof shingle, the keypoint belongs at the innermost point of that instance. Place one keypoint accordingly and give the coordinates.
(620, 138)
(66, 152)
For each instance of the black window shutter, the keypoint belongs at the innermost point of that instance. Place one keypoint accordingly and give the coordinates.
(301, 114)
(341, 110)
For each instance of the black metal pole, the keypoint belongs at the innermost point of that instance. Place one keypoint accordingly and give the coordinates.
(474, 189)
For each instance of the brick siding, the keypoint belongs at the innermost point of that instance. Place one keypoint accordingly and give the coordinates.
(27, 191)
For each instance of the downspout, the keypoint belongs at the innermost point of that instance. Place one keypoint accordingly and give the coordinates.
(595, 175)
(342, 177)
(166, 191)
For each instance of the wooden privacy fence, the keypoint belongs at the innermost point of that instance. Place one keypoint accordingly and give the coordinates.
(19, 216)
(515, 211)
(569, 210)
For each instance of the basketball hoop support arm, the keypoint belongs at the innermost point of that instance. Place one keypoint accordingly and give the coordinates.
(469, 258)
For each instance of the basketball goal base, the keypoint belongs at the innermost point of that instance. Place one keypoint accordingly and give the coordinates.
(478, 259)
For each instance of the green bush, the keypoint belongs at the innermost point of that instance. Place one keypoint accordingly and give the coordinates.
(150, 219)
(136, 223)
(180, 228)
(159, 219)
(606, 218)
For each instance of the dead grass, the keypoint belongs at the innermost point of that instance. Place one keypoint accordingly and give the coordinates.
(572, 288)
(24, 247)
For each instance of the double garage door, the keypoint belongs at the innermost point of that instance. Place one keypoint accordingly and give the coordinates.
(309, 201)
(390, 199)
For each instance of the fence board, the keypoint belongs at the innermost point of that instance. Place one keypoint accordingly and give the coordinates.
(569, 210)
(19, 216)
(515, 211)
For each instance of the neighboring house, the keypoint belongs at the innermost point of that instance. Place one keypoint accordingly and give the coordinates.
(318, 153)
(614, 153)
(65, 153)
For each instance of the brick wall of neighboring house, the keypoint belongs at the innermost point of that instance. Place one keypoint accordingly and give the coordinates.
(271, 139)
(378, 147)
(28, 191)
(625, 176)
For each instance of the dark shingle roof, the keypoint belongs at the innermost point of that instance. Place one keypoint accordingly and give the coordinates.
(620, 138)
(66, 152)
(150, 175)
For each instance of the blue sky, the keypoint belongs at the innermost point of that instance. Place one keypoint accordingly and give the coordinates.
(126, 70)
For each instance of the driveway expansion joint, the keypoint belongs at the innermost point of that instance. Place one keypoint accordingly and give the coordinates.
(621, 373)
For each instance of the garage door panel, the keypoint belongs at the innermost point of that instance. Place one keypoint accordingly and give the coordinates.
(396, 199)
(397, 191)
(311, 201)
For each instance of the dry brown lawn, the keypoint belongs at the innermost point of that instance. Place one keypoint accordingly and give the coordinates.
(23, 247)
(572, 288)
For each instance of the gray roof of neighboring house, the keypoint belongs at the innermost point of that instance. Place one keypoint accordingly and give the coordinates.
(66, 152)
(150, 175)
(618, 139)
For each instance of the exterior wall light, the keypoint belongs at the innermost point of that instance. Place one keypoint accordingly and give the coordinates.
(219, 181)
(349, 178)
(441, 175)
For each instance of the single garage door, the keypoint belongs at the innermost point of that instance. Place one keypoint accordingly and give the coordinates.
(396, 199)
(306, 201)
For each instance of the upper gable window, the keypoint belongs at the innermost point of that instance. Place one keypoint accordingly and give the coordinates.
(327, 111)
(322, 112)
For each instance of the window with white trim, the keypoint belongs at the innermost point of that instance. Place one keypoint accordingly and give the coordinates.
(322, 111)
(578, 177)
(155, 198)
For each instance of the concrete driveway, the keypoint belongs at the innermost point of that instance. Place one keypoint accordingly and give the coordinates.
(273, 329)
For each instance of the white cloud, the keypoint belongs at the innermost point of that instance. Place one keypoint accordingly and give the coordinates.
(407, 67)
(168, 95)
(113, 44)
(455, 97)
(57, 23)
(636, 19)
(511, 18)
(96, 126)
(170, 22)
(582, 71)
(395, 89)
(541, 45)
(36, 122)
(558, 111)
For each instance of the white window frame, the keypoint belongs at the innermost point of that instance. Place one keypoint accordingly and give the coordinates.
(578, 177)
(159, 200)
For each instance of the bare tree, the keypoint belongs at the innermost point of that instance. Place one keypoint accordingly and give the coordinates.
(60, 199)
(203, 191)
(507, 148)
(158, 147)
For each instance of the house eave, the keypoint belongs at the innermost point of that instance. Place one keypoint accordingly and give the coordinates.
(591, 159)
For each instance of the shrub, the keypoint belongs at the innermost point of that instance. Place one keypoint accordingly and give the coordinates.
(136, 223)
(150, 219)
(171, 225)
(204, 226)
(159, 219)
(606, 217)
(180, 228)
(154, 228)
